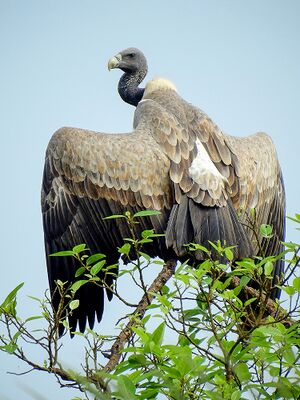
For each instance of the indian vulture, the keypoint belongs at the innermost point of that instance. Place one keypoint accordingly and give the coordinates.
(175, 160)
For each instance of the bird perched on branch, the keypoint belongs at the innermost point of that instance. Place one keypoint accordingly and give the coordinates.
(175, 160)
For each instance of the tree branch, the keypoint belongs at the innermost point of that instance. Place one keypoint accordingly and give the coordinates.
(158, 283)
(271, 307)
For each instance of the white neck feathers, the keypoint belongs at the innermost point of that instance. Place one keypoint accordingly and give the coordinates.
(158, 84)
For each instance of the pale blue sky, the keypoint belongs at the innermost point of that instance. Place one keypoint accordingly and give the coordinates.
(238, 61)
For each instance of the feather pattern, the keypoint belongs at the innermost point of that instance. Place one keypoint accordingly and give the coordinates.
(175, 160)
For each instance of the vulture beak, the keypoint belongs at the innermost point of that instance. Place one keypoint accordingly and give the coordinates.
(114, 61)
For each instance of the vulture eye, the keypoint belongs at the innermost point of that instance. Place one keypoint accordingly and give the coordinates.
(131, 55)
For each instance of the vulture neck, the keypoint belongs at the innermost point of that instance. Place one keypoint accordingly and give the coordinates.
(128, 87)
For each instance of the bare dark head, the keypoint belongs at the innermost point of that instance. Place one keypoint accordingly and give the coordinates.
(129, 60)
(134, 65)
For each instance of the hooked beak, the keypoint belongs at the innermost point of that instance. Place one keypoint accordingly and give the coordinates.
(114, 62)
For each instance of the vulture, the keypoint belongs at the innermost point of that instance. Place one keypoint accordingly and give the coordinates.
(176, 160)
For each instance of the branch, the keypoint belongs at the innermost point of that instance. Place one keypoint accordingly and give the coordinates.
(126, 333)
(271, 307)
(57, 371)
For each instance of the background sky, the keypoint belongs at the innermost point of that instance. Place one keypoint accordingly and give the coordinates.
(238, 61)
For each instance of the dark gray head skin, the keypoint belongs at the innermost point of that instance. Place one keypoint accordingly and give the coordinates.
(134, 64)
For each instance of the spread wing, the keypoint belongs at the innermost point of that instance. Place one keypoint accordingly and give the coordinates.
(177, 161)
(221, 181)
(204, 210)
(253, 181)
(260, 188)
(88, 176)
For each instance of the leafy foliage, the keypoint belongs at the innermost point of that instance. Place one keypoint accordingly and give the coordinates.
(211, 333)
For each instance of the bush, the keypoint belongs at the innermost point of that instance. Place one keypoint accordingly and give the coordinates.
(199, 332)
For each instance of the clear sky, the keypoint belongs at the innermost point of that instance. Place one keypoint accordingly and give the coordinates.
(238, 61)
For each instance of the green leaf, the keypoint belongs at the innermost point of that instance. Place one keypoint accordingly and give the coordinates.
(195, 247)
(228, 254)
(144, 337)
(164, 301)
(137, 360)
(274, 371)
(202, 302)
(63, 253)
(236, 395)
(79, 248)
(60, 283)
(290, 245)
(146, 256)
(266, 230)
(248, 302)
(142, 241)
(12, 295)
(9, 348)
(216, 246)
(296, 283)
(16, 336)
(33, 318)
(125, 249)
(147, 233)
(244, 280)
(295, 219)
(97, 267)
(219, 379)
(116, 216)
(172, 372)
(247, 263)
(9, 304)
(146, 213)
(289, 290)
(126, 388)
(77, 285)
(65, 323)
(158, 335)
(242, 372)
(74, 304)
(268, 268)
(80, 271)
(155, 235)
(35, 298)
(284, 389)
(289, 356)
(95, 257)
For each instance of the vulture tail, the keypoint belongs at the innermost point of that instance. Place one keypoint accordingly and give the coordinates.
(191, 222)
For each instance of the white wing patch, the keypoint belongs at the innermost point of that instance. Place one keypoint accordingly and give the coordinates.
(204, 172)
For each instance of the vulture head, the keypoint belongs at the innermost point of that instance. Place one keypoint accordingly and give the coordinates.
(134, 64)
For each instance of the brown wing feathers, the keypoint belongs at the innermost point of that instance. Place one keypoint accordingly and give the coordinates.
(176, 161)
(88, 176)
(251, 175)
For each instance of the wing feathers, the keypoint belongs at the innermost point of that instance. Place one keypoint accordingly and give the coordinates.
(177, 161)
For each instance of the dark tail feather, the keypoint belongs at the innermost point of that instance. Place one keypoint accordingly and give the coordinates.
(193, 222)
(180, 227)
